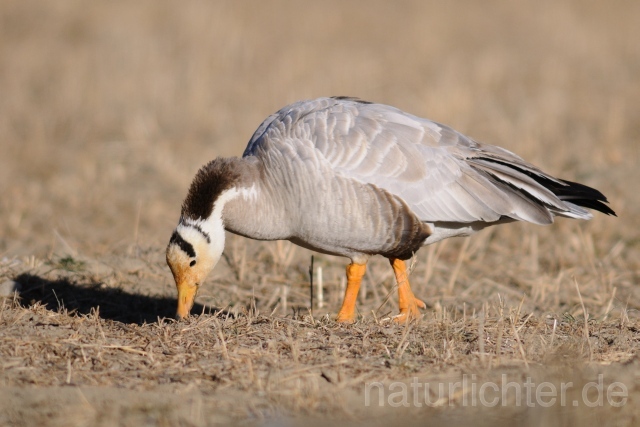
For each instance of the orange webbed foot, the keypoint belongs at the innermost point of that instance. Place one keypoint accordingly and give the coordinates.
(346, 317)
(407, 302)
(410, 311)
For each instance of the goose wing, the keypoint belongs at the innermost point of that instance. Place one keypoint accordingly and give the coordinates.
(441, 174)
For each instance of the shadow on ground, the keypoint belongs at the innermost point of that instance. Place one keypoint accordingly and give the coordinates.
(112, 304)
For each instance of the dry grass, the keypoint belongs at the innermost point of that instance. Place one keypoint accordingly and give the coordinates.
(108, 109)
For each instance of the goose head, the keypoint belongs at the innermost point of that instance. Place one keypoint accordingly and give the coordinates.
(194, 250)
(196, 245)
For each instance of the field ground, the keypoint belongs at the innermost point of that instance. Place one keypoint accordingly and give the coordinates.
(107, 110)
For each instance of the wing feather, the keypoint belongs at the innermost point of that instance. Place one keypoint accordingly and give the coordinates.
(442, 175)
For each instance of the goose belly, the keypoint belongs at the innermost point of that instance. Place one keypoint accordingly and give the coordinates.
(345, 217)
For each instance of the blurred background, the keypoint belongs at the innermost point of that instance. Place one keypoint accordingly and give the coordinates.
(107, 109)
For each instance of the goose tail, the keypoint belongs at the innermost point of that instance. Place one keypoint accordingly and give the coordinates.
(579, 196)
(557, 197)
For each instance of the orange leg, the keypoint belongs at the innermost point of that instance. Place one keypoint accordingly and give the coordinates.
(407, 301)
(355, 272)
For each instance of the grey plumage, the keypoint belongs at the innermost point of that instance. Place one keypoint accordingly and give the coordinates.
(352, 178)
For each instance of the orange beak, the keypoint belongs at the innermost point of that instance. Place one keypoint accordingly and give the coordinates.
(186, 295)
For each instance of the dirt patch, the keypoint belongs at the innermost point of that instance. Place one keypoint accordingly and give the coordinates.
(78, 352)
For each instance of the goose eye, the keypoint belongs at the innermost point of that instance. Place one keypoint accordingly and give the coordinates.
(192, 263)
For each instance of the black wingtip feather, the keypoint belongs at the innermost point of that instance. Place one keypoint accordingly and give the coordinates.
(583, 195)
(573, 192)
(593, 204)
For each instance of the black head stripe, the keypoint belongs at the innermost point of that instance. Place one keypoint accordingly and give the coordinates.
(201, 231)
(187, 247)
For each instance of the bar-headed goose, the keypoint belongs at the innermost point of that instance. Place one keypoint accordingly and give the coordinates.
(346, 177)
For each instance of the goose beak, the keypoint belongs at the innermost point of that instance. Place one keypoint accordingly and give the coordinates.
(186, 295)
